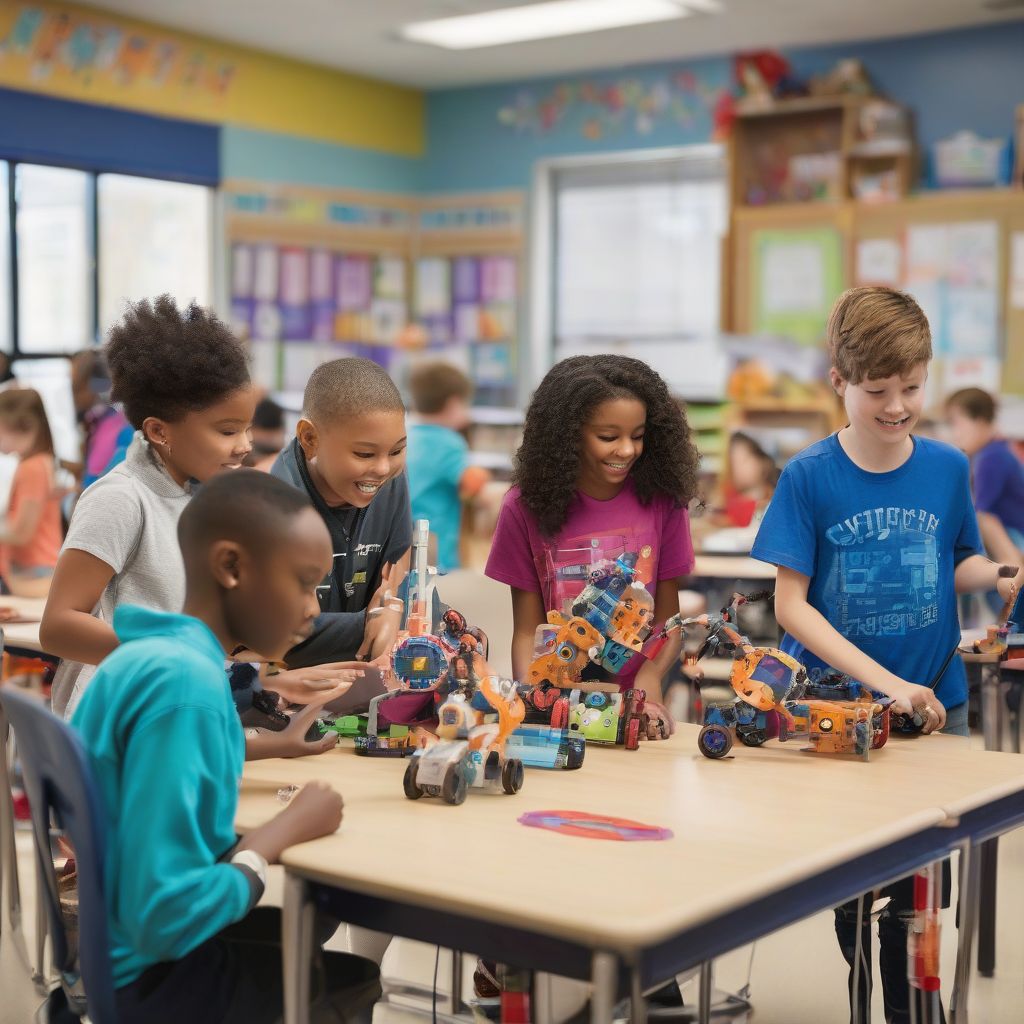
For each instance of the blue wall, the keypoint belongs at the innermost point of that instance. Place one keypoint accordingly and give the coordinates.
(964, 79)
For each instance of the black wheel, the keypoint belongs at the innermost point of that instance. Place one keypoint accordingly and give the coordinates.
(453, 789)
(412, 791)
(714, 741)
(753, 737)
(512, 776)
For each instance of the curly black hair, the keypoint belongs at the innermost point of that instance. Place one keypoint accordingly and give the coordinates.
(547, 463)
(166, 362)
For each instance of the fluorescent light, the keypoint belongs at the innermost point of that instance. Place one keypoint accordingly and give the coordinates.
(543, 21)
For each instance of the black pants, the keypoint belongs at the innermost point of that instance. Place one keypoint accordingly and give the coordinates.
(235, 978)
(892, 959)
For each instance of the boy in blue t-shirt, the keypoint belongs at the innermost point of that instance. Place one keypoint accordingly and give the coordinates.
(437, 461)
(167, 748)
(874, 534)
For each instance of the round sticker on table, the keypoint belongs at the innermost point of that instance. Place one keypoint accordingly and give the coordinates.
(594, 826)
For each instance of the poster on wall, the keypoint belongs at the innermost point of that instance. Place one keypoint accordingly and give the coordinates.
(294, 293)
(321, 294)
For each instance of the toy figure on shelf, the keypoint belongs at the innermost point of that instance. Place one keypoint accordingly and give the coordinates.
(468, 753)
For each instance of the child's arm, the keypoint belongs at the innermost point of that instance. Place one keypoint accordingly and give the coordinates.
(666, 604)
(472, 481)
(19, 529)
(808, 626)
(381, 629)
(527, 615)
(68, 628)
(997, 541)
(314, 811)
(290, 741)
(976, 572)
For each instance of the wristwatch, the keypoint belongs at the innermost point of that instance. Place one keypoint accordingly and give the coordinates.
(254, 862)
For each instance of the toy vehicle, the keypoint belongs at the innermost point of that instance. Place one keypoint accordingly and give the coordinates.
(607, 716)
(469, 754)
(399, 742)
(541, 746)
(561, 653)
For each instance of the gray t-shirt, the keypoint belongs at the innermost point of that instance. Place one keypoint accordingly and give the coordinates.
(129, 519)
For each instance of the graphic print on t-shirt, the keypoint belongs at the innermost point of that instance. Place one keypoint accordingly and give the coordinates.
(884, 573)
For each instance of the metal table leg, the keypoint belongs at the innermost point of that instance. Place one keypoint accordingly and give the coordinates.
(970, 865)
(603, 969)
(296, 948)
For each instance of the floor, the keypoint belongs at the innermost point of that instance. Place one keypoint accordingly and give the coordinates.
(797, 974)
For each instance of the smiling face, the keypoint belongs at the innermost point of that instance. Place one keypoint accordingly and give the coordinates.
(613, 440)
(206, 442)
(884, 412)
(350, 459)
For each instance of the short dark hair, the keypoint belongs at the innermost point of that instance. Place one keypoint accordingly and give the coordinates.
(167, 362)
(213, 513)
(268, 415)
(975, 403)
(349, 387)
(433, 384)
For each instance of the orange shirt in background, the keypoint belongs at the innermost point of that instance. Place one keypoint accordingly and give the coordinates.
(33, 481)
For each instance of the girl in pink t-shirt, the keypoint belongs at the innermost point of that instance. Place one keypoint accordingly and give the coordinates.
(606, 466)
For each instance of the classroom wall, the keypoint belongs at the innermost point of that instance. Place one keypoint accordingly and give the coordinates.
(490, 137)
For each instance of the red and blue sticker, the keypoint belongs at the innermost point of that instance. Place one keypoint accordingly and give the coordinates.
(595, 826)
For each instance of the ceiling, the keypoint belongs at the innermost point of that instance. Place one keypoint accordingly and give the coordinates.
(360, 35)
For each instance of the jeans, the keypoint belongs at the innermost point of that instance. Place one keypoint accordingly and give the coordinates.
(892, 929)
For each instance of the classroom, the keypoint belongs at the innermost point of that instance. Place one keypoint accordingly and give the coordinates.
(442, 441)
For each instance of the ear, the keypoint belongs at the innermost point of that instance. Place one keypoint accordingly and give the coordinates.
(838, 384)
(309, 437)
(225, 563)
(156, 431)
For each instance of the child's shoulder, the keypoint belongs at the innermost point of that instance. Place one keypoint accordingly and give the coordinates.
(814, 455)
(939, 452)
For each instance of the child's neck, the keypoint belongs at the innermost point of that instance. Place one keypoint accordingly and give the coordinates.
(438, 419)
(600, 490)
(208, 608)
(180, 478)
(873, 456)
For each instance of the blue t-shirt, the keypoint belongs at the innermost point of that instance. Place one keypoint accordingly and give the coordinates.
(167, 748)
(880, 550)
(999, 484)
(435, 461)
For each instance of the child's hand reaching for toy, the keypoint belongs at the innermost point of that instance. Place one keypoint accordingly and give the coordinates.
(319, 683)
(291, 741)
(660, 724)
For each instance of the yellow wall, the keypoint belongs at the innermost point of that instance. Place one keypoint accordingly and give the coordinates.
(96, 57)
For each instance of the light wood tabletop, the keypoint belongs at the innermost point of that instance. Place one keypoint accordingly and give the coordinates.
(23, 634)
(743, 827)
(740, 567)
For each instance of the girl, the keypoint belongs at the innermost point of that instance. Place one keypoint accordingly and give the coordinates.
(182, 379)
(606, 466)
(751, 480)
(30, 533)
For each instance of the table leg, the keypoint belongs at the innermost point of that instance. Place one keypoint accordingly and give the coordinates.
(706, 991)
(39, 976)
(541, 1005)
(988, 868)
(991, 707)
(970, 867)
(637, 1004)
(455, 990)
(296, 948)
(603, 977)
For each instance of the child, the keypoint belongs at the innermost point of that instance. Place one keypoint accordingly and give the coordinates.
(440, 477)
(183, 381)
(267, 435)
(106, 433)
(606, 466)
(30, 533)
(873, 533)
(751, 480)
(348, 456)
(186, 942)
(997, 475)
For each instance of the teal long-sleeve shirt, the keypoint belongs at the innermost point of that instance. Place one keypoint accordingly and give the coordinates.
(167, 749)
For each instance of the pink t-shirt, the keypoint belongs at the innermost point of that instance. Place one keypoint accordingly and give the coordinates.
(595, 531)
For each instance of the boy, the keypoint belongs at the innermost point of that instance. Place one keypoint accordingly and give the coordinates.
(348, 456)
(440, 477)
(267, 435)
(186, 944)
(998, 476)
(873, 533)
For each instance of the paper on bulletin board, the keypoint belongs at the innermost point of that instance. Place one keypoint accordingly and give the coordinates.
(972, 372)
(1017, 270)
(797, 276)
(879, 261)
(433, 287)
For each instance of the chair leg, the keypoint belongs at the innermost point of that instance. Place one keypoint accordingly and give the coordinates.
(39, 967)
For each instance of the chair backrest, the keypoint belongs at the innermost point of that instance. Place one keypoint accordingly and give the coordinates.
(58, 777)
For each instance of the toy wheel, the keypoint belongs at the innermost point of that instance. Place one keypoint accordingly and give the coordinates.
(633, 733)
(560, 713)
(512, 776)
(714, 741)
(412, 791)
(453, 789)
(753, 737)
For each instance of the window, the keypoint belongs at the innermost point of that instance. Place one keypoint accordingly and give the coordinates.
(154, 237)
(6, 339)
(55, 262)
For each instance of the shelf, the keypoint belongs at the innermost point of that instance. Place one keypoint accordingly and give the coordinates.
(496, 416)
(749, 107)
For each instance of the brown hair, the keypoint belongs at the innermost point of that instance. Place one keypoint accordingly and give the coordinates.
(21, 409)
(432, 384)
(975, 403)
(875, 332)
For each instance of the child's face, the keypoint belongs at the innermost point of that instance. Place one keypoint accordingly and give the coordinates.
(613, 439)
(967, 434)
(745, 468)
(350, 459)
(16, 442)
(274, 603)
(204, 443)
(884, 410)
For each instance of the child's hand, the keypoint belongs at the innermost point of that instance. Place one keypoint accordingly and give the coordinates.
(380, 635)
(660, 723)
(319, 683)
(1008, 585)
(291, 741)
(314, 811)
(913, 699)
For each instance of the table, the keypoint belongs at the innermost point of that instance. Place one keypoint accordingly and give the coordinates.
(23, 636)
(762, 839)
(738, 567)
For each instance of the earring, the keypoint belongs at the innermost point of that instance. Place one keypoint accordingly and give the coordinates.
(166, 446)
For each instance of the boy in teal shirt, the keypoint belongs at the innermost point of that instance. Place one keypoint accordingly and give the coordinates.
(167, 751)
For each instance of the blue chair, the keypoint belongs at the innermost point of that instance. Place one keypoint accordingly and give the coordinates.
(58, 778)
